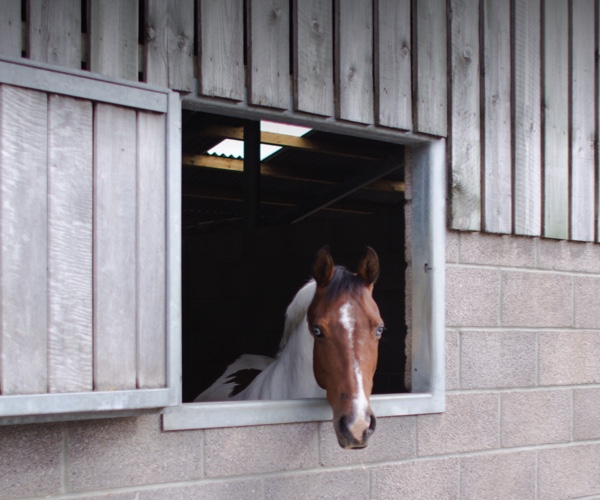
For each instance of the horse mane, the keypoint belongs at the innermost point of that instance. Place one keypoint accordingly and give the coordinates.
(343, 281)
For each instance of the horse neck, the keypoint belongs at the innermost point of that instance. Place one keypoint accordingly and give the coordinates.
(291, 374)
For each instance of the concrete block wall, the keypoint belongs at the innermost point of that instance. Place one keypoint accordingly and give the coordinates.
(522, 418)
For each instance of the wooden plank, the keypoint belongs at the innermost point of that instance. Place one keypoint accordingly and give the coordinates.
(393, 72)
(169, 49)
(221, 49)
(70, 244)
(114, 248)
(269, 53)
(497, 155)
(465, 118)
(556, 119)
(10, 28)
(54, 32)
(354, 48)
(24, 241)
(582, 121)
(151, 251)
(114, 38)
(313, 56)
(527, 118)
(429, 67)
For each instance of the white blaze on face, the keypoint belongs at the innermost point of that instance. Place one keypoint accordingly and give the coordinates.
(360, 401)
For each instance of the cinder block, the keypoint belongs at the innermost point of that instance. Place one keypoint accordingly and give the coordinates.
(394, 439)
(472, 296)
(469, 423)
(497, 250)
(499, 475)
(536, 417)
(568, 472)
(341, 484)
(586, 414)
(115, 453)
(531, 299)
(252, 450)
(30, 460)
(419, 480)
(587, 305)
(452, 360)
(569, 256)
(569, 358)
(231, 490)
(452, 239)
(498, 359)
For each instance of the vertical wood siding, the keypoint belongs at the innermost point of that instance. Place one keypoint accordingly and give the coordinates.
(313, 56)
(511, 83)
(82, 245)
(23, 256)
(556, 118)
(70, 244)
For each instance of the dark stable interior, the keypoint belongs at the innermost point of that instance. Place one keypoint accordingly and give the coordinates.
(251, 229)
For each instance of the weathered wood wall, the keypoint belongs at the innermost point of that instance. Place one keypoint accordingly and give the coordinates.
(82, 245)
(511, 83)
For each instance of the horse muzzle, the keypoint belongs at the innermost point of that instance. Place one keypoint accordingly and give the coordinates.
(354, 433)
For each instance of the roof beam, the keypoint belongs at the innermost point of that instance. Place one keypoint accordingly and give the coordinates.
(268, 169)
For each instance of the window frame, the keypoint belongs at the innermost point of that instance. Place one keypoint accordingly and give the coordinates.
(428, 181)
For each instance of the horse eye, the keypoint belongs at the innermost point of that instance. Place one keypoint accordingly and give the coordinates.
(317, 331)
(379, 331)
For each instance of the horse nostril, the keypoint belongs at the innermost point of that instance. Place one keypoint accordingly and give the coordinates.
(372, 425)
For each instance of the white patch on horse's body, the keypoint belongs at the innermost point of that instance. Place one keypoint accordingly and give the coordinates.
(290, 375)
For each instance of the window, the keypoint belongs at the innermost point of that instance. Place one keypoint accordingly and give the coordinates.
(242, 265)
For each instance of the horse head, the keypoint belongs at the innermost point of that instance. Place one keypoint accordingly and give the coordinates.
(346, 325)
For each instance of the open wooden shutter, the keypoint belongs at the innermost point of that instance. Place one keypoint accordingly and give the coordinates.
(89, 197)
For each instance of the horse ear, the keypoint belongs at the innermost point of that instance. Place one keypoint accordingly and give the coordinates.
(323, 267)
(368, 267)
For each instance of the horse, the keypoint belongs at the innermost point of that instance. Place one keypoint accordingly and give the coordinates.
(328, 349)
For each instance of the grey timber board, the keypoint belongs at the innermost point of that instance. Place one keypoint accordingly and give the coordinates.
(114, 38)
(221, 49)
(496, 88)
(355, 92)
(70, 244)
(556, 119)
(465, 116)
(527, 118)
(429, 67)
(393, 72)
(169, 47)
(583, 126)
(151, 251)
(269, 53)
(82, 84)
(10, 28)
(54, 32)
(23, 241)
(313, 56)
(114, 248)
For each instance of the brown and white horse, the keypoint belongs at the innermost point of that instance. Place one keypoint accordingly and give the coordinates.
(329, 348)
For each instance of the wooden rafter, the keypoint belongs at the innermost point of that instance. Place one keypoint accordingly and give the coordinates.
(268, 169)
